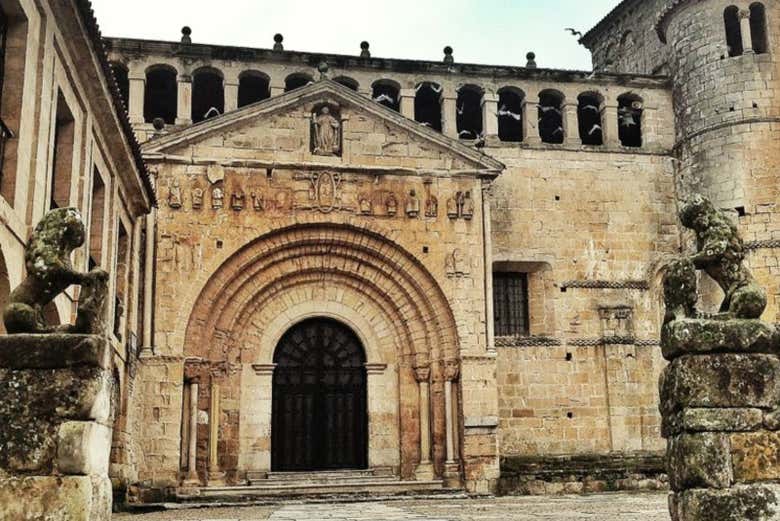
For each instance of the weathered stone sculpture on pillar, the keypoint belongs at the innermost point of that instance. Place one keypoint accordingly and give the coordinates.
(55, 416)
(721, 389)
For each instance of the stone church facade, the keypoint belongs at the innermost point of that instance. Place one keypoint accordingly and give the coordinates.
(419, 275)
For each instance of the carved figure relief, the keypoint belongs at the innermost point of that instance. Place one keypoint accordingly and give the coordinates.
(431, 206)
(366, 206)
(326, 130)
(174, 195)
(412, 204)
(217, 198)
(178, 254)
(617, 322)
(197, 198)
(237, 200)
(391, 205)
(456, 264)
(258, 202)
(452, 207)
(324, 192)
(468, 206)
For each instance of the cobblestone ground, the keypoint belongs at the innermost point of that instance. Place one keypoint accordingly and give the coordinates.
(607, 507)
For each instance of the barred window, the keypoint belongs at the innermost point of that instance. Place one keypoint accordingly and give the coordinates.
(510, 303)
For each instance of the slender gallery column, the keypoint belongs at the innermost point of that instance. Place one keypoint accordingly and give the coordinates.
(216, 477)
(184, 100)
(531, 123)
(571, 124)
(424, 471)
(136, 99)
(609, 125)
(231, 95)
(490, 115)
(449, 115)
(407, 103)
(192, 454)
(747, 35)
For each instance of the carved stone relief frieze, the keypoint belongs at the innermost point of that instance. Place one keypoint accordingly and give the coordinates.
(217, 198)
(174, 195)
(326, 131)
(197, 198)
(179, 253)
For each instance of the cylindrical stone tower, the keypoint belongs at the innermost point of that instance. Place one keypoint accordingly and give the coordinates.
(725, 69)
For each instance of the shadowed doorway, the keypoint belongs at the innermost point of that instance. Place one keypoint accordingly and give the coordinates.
(319, 417)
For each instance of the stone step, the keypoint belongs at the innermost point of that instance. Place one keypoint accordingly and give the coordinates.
(283, 489)
(328, 476)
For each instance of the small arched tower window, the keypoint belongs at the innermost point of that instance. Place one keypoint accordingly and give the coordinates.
(387, 93)
(161, 94)
(122, 80)
(551, 116)
(591, 127)
(347, 82)
(296, 81)
(427, 105)
(253, 86)
(208, 94)
(758, 28)
(733, 30)
(510, 114)
(630, 108)
(469, 107)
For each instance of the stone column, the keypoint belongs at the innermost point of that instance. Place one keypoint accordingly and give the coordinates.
(451, 465)
(184, 97)
(136, 96)
(55, 427)
(571, 130)
(449, 115)
(407, 103)
(215, 476)
(231, 95)
(192, 452)
(424, 471)
(147, 349)
(747, 34)
(531, 123)
(490, 116)
(609, 125)
(488, 268)
(276, 87)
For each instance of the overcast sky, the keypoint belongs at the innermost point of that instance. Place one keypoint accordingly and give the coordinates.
(498, 32)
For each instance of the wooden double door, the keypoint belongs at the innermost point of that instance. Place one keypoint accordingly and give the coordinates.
(319, 416)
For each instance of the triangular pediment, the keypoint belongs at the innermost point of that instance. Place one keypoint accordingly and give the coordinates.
(278, 128)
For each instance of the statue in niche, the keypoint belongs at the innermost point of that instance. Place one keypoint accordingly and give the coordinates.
(720, 254)
(327, 133)
(197, 198)
(412, 204)
(431, 206)
(174, 195)
(366, 208)
(49, 272)
(452, 207)
(257, 201)
(217, 198)
(237, 200)
(467, 210)
(391, 205)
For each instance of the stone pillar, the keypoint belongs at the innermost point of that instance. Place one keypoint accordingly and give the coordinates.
(215, 476)
(451, 465)
(55, 427)
(276, 87)
(609, 125)
(136, 96)
(184, 97)
(747, 34)
(487, 227)
(424, 471)
(490, 116)
(192, 452)
(407, 103)
(719, 401)
(231, 95)
(531, 123)
(449, 115)
(147, 349)
(571, 130)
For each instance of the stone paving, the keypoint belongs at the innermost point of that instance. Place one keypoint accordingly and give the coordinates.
(606, 507)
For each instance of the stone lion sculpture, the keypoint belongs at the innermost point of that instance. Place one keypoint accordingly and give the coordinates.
(721, 254)
(50, 272)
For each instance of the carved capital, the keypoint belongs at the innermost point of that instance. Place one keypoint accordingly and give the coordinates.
(744, 13)
(451, 370)
(422, 373)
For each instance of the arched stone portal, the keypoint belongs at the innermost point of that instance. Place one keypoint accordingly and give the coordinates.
(319, 413)
(366, 282)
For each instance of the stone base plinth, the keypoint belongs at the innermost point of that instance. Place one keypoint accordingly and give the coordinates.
(740, 503)
(55, 427)
(64, 498)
